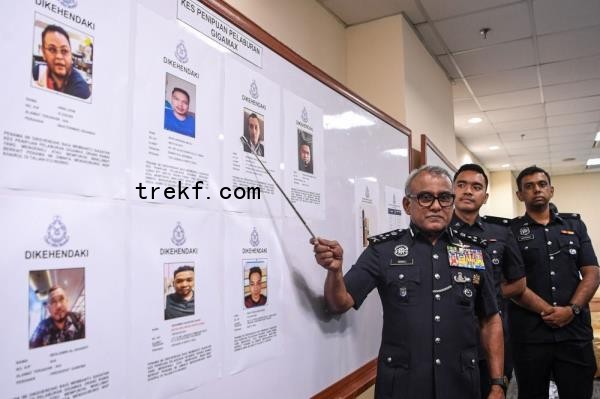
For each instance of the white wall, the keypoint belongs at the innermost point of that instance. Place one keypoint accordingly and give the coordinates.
(428, 96)
(580, 193)
(375, 64)
(304, 26)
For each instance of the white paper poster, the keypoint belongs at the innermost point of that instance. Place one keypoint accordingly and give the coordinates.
(254, 265)
(304, 163)
(175, 301)
(176, 114)
(64, 102)
(67, 268)
(252, 130)
(366, 203)
(394, 212)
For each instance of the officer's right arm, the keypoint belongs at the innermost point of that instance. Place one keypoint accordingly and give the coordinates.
(533, 302)
(329, 254)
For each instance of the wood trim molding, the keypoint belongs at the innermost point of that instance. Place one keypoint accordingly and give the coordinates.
(351, 385)
(236, 18)
(425, 141)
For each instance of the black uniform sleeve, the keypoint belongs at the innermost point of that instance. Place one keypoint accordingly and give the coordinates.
(363, 275)
(587, 256)
(485, 304)
(513, 267)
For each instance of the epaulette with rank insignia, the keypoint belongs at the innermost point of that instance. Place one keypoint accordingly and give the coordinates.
(383, 237)
(496, 220)
(569, 215)
(469, 237)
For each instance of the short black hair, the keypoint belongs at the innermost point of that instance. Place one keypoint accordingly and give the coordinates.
(181, 91)
(253, 115)
(255, 269)
(530, 170)
(472, 167)
(55, 28)
(183, 269)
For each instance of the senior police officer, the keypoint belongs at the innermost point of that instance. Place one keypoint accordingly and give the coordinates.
(432, 285)
(470, 188)
(555, 334)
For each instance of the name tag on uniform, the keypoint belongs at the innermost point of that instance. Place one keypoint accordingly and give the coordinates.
(469, 258)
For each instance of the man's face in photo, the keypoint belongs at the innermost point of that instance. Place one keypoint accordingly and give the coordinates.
(184, 283)
(253, 130)
(58, 305)
(57, 54)
(305, 154)
(255, 286)
(180, 103)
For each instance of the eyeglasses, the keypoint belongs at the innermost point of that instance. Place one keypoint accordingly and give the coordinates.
(64, 51)
(426, 199)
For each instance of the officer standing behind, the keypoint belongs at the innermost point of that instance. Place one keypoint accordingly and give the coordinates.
(470, 188)
(562, 276)
(432, 285)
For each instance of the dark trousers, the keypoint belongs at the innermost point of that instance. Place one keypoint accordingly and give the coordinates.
(571, 363)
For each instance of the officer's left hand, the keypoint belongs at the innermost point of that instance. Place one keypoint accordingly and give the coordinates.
(496, 392)
(561, 316)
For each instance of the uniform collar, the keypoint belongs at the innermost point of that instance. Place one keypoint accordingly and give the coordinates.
(554, 218)
(416, 232)
(457, 223)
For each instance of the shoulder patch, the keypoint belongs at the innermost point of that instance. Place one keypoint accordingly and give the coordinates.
(569, 215)
(496, 220)
(383, 237)
(473, 239)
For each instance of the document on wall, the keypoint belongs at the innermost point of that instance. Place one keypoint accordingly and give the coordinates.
(66, 332)
(304, 157)
(64, 102)
(254, 266)
(394, 212)
(175, 300)
(176, 114)
(252, 124)
(366, 203)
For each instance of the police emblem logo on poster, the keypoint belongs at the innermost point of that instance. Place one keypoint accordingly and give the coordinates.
(69, 3)
(178, 237)
(181, 52)
(254, 239)
(304, 115)
(254, 90)
(56, 234)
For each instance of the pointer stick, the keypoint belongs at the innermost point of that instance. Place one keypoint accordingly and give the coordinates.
(247, 143)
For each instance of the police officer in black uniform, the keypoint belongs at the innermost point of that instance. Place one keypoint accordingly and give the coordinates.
(470, 188)
(433, 286)
(554, 334)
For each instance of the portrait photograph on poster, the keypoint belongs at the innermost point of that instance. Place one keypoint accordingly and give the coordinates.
(179, 283)
(254, 124)
(62, 58)
(305, 152)
(255, 283)
(56, 306)
(180, 106)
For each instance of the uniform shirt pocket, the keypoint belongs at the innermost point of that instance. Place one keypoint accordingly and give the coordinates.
(403, 284)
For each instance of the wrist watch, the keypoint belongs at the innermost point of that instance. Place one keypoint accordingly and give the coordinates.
(576, 309)
(502, 381)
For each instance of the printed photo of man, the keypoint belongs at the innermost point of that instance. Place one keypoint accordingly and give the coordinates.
(305, 159)
(61, 325)
(181, 302)
(253, 133)
(256, 297)
(179, 115)
(56, 70)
